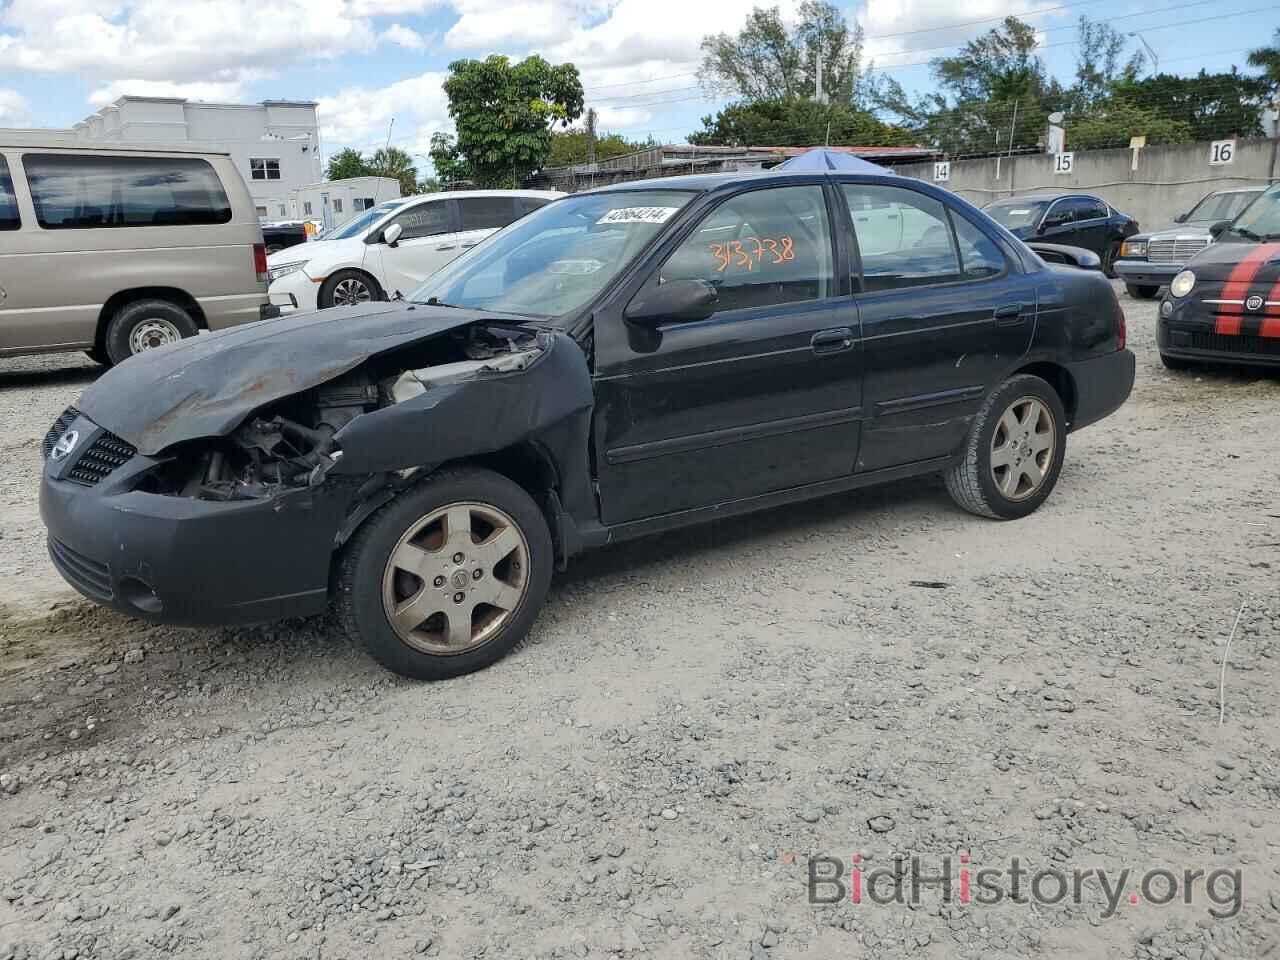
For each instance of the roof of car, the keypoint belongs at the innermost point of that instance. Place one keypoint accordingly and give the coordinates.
(1045, 195)
(42, 140)
(704, 182)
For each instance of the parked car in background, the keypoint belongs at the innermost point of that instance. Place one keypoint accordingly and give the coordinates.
(1224, 306)
(1148, 261)
(117, 248)
(1070, 219)
(279, 234)
(393, 247)
(622, 362)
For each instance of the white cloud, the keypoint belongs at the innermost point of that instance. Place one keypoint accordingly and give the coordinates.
(391, 8)
(232, 90)
(14, 110)
(896, 35)
(359, 116)
(403, 36)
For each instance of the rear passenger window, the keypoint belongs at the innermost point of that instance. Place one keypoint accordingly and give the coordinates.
(8, 201)
(74, 191)
(903, 237)
(486, 213)
(979, 255)
(761, 248)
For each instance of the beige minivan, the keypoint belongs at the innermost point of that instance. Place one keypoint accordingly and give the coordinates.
(115, 248)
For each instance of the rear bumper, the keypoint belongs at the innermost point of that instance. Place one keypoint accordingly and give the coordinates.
(1146, 274)
(1103, 384)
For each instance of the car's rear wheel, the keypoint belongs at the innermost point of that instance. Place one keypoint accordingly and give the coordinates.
(1013, 453)
(348, 288)
(1141, 291)
(1109, 258)
(448, 577)
(144, 325)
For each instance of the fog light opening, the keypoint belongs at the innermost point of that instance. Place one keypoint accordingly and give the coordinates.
(140, 594)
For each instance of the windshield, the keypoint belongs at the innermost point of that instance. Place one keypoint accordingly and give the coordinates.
(557, 259)
(1220, 206)
(1261, 219)
(1012, 214)
(356, 227)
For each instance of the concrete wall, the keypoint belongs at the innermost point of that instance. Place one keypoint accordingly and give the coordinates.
(1168, 180)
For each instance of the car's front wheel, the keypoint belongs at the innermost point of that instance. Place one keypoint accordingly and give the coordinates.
(1141, 291)
(1013, 453)
(348, 288)
(448, 577)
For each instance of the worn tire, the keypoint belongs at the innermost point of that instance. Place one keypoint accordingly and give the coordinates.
(1141, 291)
(1176, 363)
(1109, 258)
(358, 590)
(133, 315)
(970, 481)
(328, 289)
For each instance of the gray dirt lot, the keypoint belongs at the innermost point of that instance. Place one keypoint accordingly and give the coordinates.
(694, 716)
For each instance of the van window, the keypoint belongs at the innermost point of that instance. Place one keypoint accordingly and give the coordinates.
(486, 213)
(8, 201)
(78, 191)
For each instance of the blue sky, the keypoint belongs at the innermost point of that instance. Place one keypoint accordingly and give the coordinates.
(367, 61)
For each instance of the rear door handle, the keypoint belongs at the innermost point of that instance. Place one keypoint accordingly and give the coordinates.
(446, 246)
(1008, 314)
(469, 244)
(832, 341)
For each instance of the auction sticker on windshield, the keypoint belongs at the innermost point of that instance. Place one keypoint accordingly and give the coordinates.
(639, 215)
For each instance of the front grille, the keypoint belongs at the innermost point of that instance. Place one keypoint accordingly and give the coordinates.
(58, 429)
(107, 452)
(1174, 251)
(88, 576)
(1270, 346)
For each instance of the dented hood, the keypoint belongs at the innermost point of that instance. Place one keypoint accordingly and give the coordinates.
(206, 386)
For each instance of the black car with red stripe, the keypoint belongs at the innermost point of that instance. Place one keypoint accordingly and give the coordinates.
(1225, 306)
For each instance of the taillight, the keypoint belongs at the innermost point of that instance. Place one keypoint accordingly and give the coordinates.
(260, 261)
(1122, 330)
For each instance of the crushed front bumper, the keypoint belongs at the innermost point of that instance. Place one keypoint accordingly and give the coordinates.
(173, 559)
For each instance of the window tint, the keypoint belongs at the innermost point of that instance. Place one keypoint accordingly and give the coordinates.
(760, 248)
(425, 220)
(8, 201)
(485, 213)
(979, 255)
(79, 191)
(903, 237)
(264, 169)
(1075, 209)
(526, 205)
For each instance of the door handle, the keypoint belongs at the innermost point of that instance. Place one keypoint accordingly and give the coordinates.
(469, 244)
(1008, 314)
(832, 341)
(446, 246)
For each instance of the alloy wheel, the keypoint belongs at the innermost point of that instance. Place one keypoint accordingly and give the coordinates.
(351, 291)
(456, 576)
(1022, 448)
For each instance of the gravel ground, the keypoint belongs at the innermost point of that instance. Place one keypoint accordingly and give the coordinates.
(694, 717)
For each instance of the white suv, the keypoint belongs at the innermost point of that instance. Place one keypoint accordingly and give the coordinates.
(392, 247)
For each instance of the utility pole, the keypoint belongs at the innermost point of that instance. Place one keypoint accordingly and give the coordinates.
(1155, 60)
(818, 95)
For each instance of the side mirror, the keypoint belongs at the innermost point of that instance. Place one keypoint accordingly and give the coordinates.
(1180, 218)
(1219, 228)
(391, 235)
(1069, 256)
(677, 301)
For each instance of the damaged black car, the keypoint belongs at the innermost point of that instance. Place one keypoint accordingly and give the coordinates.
(621, 362)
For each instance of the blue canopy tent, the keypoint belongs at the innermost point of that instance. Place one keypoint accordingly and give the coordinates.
(822, 160)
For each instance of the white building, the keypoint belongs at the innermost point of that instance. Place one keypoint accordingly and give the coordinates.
(275, 144)
(334, 202)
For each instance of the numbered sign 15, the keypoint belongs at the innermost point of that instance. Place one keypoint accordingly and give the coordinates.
(942, 171)
(1064, 162)
(1222, 151)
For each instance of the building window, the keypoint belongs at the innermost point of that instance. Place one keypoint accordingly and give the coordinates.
(306, 207)
(283, 211)
(264, 169)
(337, 205)
(260, 211)
(368, 203)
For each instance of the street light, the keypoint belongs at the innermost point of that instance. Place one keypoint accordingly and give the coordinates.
(1155, 60)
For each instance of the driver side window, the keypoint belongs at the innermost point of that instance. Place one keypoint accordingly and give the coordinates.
(425, 220)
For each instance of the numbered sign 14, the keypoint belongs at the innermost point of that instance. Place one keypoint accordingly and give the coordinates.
(1064, 162)
(1222, 151)
(942, 171)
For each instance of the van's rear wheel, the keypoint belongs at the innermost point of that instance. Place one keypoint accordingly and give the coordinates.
(448, 577)
(144, 325)
(1013, 454)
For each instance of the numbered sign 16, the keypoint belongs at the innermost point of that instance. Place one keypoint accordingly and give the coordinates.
(942, 171)
(1222, 151)
(1064, 162)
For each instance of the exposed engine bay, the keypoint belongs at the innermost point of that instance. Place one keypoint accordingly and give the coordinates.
(295, 442)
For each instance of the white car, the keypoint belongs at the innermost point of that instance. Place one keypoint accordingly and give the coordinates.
(392, 247)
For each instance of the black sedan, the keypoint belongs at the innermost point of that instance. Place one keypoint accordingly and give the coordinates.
(1071, 219)
(621, 362)
(1225, 306)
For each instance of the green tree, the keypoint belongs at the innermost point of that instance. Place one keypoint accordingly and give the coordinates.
(345, 164)
(570, 146)
(1114, 123)
(1268, 58)
(766, 60)
(999, 65)
(394, 162)
(451, 166)
(1212, 106)
(797, 122)
(1101, 61)
(504, 114)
